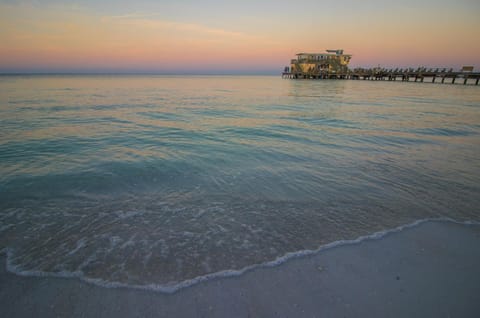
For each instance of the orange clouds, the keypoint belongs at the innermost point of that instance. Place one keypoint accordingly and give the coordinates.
(77, 39)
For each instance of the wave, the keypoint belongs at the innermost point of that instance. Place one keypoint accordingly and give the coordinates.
(173, 287)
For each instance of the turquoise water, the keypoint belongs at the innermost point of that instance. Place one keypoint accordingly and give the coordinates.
(154, 181)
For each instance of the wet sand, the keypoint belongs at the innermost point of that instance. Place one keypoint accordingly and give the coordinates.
(430, 270)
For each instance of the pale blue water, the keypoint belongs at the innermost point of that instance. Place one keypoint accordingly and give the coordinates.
(151, 180)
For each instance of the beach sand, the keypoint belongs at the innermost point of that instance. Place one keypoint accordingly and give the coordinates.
(429, 270)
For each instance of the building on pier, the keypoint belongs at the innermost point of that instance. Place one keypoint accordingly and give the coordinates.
(320, 64)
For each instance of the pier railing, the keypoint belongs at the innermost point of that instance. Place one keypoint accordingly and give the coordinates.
(420, 74)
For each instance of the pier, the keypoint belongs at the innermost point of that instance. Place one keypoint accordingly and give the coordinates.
(405, 75)
(333, 64)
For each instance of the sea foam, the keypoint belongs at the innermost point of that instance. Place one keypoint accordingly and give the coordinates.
(176, 286)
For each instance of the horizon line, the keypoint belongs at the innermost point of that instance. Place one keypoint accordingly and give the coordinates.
(143, 73)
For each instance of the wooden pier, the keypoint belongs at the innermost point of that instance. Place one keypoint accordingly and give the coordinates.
(420, 74)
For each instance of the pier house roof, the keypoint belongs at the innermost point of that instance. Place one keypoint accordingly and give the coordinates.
(325, 54)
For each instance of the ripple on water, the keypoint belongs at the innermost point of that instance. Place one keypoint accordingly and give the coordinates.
(154, 181)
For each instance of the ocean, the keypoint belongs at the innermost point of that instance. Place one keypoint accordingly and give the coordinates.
(160, 182)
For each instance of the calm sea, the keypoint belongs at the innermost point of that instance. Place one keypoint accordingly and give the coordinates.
(156, 182)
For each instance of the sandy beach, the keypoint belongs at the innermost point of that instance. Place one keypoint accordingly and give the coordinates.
(429, 270)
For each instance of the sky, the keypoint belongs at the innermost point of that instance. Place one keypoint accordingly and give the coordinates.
(232, 37)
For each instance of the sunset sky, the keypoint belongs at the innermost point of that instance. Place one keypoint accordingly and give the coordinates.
(221, 36)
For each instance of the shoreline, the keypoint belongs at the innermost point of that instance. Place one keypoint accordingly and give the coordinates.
(427, 268)
(177, 286)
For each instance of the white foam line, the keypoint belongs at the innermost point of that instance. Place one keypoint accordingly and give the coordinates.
(175, 286)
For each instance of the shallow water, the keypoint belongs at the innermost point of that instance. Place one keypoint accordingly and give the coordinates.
(152, 180)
